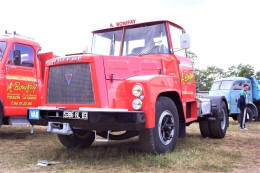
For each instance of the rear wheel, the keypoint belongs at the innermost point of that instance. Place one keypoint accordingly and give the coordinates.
(79, 138)
(163, 137)
(249, 116)
(204, 129)
(218, 128)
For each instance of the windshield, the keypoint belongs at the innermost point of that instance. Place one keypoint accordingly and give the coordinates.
(146, 40)
(215, 86)
(221, 85)
(107, 43)
(2, 49)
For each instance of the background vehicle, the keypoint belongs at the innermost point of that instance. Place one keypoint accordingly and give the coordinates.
(231, 87)
(21, 77)
(137, 79)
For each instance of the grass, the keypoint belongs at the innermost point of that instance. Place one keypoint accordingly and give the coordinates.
(239, 151)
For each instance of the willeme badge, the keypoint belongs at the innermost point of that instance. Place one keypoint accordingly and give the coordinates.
(68, 78)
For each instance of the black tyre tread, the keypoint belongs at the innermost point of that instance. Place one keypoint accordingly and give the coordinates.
(147, 137)
(215, 126)
(72, 141)
(67, 141)
(204, 129)
(251, 115)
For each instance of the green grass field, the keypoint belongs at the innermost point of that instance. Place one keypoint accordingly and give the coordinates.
(239, 151)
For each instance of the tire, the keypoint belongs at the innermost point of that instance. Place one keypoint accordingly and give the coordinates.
(204, 129)
(249, 116)
(163, 137)
(79, 138)
(235, 117)
(218, 128)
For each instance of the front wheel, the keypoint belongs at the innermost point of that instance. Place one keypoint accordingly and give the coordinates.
(79, 138)
(163, 137)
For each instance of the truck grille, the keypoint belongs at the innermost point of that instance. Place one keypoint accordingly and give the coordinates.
(70, 84)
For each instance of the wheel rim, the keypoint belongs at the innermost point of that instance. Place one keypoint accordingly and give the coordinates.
(166, 127)
(223, 122)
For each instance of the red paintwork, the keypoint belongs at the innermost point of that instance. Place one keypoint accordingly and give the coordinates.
(172, 74)
(21, 87)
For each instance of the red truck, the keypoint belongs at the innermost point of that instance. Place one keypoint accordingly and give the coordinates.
(21, 77)
(137, 80)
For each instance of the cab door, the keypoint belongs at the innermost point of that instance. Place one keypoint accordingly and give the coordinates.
(21, 81)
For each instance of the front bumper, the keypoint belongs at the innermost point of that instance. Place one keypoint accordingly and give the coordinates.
(96, 119)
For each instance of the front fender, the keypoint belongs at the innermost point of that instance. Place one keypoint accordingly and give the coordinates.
(153, 85)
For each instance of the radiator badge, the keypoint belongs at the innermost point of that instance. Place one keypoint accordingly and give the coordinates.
(68, 78)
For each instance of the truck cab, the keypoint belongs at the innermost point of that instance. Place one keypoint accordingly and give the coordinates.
(231, 88)
(137, 79)
(21, 77)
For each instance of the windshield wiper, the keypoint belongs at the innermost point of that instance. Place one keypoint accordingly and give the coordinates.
(149, 49)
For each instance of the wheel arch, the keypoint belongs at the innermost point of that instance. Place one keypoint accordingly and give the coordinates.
(253, 107)
(216, 102)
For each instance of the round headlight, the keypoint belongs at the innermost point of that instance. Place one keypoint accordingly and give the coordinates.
(137, 90)
(137, 104)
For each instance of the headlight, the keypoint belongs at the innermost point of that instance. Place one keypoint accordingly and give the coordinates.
(137, 104)
(137, 90)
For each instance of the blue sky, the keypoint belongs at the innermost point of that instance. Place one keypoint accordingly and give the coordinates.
(223, 32)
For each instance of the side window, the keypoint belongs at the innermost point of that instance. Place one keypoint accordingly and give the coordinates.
(27, 55)
(176, 41)
(238, 85)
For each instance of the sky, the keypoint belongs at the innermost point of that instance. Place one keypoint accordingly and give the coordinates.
(222, 32)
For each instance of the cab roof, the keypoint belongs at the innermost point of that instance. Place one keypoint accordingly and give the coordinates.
(19, 39)
(232, 79)
(132, 22)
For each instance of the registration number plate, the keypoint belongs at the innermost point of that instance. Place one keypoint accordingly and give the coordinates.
(75, 115)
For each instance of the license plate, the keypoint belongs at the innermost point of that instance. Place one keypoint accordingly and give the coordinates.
(34, 114)
(75, 115)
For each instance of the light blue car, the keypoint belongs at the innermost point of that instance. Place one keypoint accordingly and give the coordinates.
(231, 87)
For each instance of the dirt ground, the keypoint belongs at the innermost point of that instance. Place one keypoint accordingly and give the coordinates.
(239, 151)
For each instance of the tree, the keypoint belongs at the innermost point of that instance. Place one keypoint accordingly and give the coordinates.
(205, 77)
(245, 70)
(192, 56)
(232, 71)
(257, 76)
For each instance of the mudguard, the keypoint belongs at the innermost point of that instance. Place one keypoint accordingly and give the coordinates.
(216, 102)
(253, 107)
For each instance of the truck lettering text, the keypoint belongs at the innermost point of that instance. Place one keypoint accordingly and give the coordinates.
(19, 87)
(187, 77)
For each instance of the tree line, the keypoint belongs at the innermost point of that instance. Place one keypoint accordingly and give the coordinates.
(205, 77)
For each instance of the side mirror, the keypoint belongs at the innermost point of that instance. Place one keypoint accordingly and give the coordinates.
(17, 57)
(185, 41)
